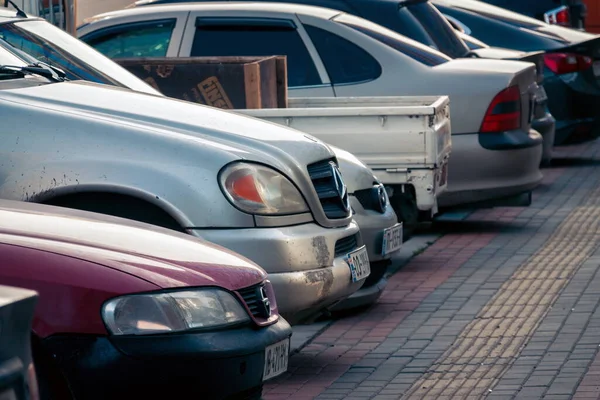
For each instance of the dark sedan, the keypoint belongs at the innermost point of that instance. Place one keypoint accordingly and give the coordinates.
(569, 13)
(572, 60)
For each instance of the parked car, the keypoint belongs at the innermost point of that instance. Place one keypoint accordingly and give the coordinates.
(572, 61)
(127, 307)
(378, 224)
(405, 140)
(331, 53)
(569, 13)
(245, 184)
(17, 373)
(421, 21)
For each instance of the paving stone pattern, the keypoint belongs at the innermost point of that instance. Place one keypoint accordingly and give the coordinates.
(504, 305)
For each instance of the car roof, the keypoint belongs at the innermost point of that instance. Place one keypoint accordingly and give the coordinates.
(10, 15)
(320, 12)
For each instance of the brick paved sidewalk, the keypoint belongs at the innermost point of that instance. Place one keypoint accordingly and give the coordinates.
(504, 305)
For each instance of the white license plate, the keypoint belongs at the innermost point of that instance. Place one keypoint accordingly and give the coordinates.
(358, 261)
(392, 239)
(596, 67)
(276, 359)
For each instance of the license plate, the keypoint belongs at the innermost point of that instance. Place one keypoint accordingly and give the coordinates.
(276, 359)
(596, 67)
(392, 239)
(443, 175)
(358, 261)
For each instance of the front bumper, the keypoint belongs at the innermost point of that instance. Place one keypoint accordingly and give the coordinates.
(371, 224)
(509, 166)
(213, 365)
(308, 273)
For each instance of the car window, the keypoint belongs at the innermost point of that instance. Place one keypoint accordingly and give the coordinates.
(417, 51)
(143, 39)
(257, 38)
(56, 47)
(436, 28)
(345, 62)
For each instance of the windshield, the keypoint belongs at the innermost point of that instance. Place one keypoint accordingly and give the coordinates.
(7, 58)
(493, 11)
(421, 21)
(413, 49)
(55, 47)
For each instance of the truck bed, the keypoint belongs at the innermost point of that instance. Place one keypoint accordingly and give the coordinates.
(405, 140)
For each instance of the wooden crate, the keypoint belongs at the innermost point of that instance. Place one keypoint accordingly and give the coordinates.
(223, 82)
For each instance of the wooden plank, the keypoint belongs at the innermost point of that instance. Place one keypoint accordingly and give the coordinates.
(282, 82)
(268, 83)
(252, 88)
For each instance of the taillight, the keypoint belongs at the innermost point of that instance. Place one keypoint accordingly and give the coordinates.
(504, 113)
(563, 18)
(558, 16)
(565, 63)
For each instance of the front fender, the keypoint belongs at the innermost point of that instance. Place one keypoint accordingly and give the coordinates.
(193, 199)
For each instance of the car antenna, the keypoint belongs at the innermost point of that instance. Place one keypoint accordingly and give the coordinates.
(20, 12)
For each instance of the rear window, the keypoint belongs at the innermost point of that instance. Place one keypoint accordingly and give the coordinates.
(409, 47)
(433, 29)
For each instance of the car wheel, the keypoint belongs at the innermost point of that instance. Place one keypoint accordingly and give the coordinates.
(405, 207)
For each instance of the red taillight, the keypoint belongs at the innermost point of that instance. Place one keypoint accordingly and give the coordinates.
(558, 16)
(563, 18)
(565, 63)
(504, 113)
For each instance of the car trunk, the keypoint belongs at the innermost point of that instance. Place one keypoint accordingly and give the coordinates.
(505, 73)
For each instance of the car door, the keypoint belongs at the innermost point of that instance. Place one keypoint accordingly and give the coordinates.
(259, 33)
(156, 35)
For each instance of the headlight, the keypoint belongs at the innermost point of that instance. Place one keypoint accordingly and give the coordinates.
(143, 314)
(257, 189)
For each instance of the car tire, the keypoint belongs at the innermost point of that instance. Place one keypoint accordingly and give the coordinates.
(405, 207)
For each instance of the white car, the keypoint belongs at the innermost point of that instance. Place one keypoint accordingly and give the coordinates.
(331, 53)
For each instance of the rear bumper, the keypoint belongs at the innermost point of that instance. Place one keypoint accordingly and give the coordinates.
(574, 103)
(546, 126)
(509, 168)
(215, 365)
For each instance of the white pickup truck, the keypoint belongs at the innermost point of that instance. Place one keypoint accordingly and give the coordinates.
(404, 140)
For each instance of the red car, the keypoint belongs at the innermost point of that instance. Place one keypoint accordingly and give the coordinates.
(129, 310)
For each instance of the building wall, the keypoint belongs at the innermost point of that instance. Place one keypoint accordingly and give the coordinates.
(592, 23)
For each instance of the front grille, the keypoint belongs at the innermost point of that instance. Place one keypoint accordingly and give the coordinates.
(369, 199)
(335, 204)
(250, 296)
(345, 245)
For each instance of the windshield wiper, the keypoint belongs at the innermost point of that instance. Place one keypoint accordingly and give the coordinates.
(40, 69)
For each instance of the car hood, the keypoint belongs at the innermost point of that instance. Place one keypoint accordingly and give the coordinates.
(357, 176)
(163, 257)
(248, 138)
